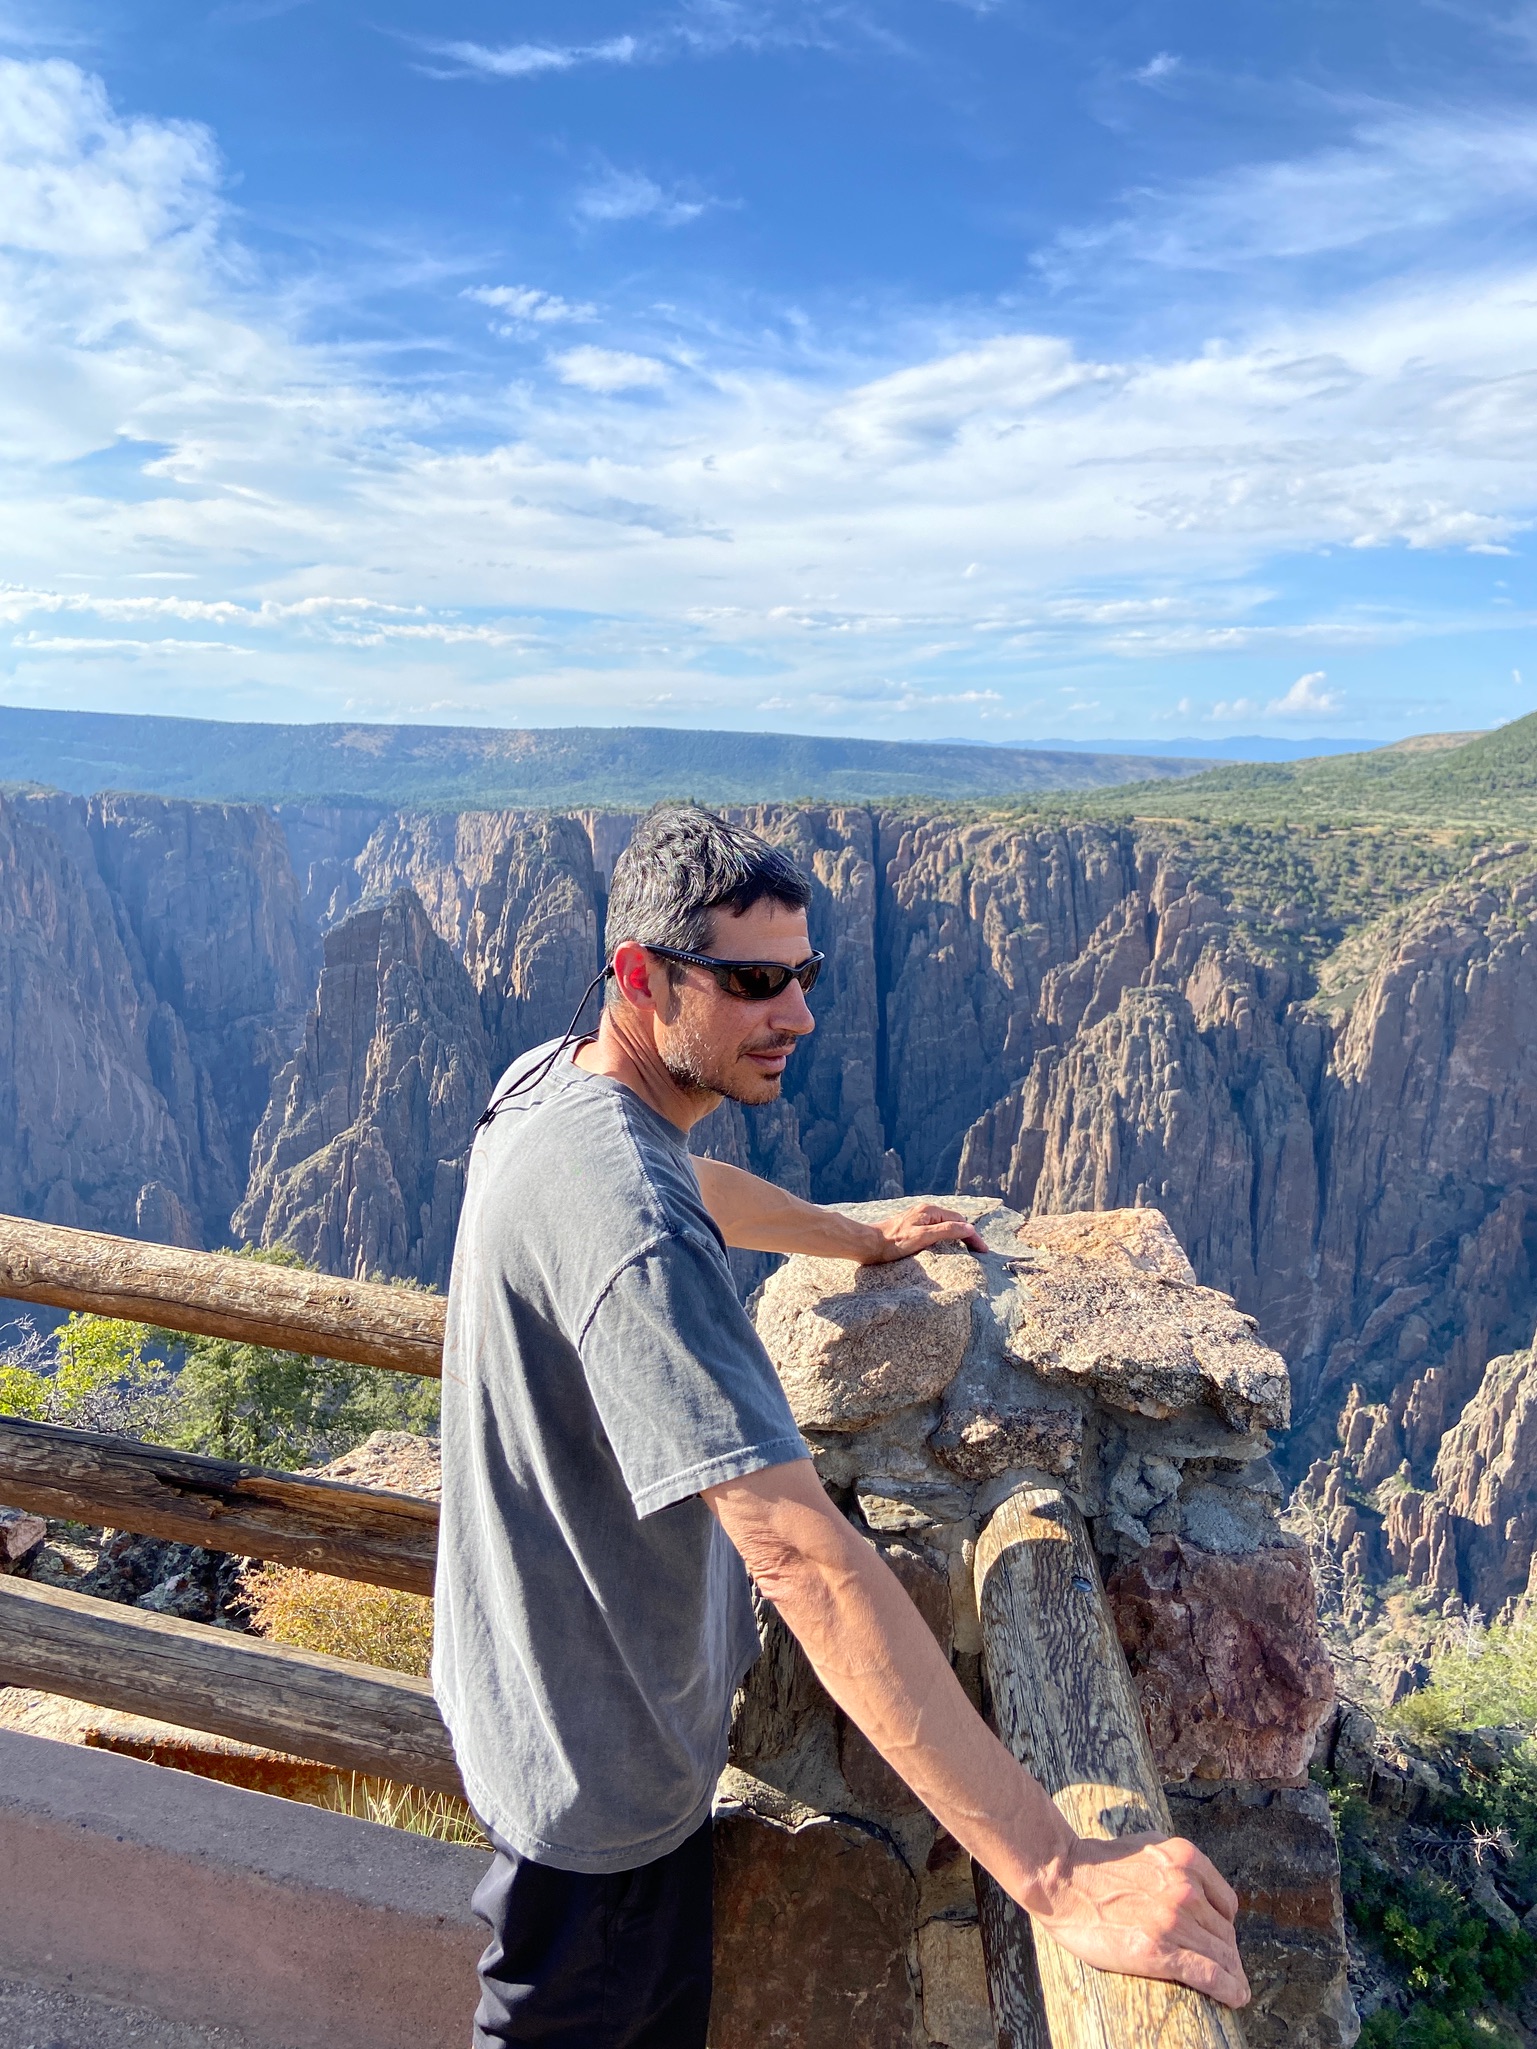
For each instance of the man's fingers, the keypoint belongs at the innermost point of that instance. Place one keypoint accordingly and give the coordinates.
(1223, 1982)
(952, 1231)
(1218, 1891)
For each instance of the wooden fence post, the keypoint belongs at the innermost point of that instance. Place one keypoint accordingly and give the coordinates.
(1063, 1702)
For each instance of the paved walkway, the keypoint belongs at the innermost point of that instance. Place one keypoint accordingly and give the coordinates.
(34, 2018)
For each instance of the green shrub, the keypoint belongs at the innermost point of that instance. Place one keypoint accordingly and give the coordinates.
(1450, 1957)
(94, 1374)
(270, 1408)
(1487, 1681)
(1426, 2027)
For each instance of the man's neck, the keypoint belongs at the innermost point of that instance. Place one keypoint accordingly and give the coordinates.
(628, 1055)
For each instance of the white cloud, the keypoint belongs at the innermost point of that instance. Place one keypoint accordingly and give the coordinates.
(605, 370)
(528, 60)
(1401, 174)
(697, 29)
(1306, 699)
(1164, 65)
(632, 196)
(526, 306)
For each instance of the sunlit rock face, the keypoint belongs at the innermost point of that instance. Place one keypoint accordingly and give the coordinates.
(1078, 1351)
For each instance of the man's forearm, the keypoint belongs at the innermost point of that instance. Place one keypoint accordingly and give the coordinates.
(755, 1216)
(875, 1655)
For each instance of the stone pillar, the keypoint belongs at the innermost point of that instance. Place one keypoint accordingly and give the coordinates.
(1081, 1352)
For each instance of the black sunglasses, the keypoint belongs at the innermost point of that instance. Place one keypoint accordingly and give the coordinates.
(752, 981)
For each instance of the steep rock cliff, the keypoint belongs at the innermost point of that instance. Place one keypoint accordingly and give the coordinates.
(1429, 1116)
(359, 1161)
(152, 958)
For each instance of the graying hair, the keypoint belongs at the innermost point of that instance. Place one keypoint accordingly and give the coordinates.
(685, 863)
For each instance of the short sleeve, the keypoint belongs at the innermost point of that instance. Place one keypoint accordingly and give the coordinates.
(686, 1394)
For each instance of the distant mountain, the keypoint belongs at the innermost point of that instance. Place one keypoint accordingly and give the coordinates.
(1242, 747)
(1433, 780)
(467, 767)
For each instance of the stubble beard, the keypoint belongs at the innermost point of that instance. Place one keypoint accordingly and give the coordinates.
(702, 1070)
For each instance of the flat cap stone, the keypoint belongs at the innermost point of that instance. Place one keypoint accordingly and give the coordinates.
(1107, 1301)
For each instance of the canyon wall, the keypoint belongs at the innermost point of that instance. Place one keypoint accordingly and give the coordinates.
(155, 961)
(1066, 1016)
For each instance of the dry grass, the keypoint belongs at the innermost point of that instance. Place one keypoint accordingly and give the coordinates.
(341, 1617)
(419, 1813)
(373, 1626)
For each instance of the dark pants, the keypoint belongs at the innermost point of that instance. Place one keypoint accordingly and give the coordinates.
(618, 1960)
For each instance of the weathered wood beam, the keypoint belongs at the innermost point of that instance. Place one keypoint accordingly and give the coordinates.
(1063, 1702)
(389, 1540)
(1013, 1979)
(214, 1294)
(352, 1716)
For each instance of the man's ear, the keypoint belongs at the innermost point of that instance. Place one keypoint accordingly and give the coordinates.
(633, 970)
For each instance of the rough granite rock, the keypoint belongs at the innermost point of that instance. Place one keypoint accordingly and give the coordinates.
(1276, 1846)
(20, 1537)
(956, 2013)
(1231, 1673)
(1110, 1301)
(397, 1461)
(855, 1343)
(359, 1162)
(1486, 1480)
(1213, 1600)
(813, 1924)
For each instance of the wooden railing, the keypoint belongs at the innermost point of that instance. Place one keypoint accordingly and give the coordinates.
(353, 1716)
(1063, 1702)
(1062, 1697)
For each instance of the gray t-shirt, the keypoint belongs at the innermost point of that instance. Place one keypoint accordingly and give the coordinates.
(593, 1619)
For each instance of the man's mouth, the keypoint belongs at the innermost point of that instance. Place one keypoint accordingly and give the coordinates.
(770, 1059)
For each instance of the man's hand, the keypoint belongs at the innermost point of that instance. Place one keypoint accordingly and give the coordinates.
(918, 1228)
(1148, 1907)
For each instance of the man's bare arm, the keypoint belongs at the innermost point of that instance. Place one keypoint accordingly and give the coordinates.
(758, 1217)
(1147, 1907)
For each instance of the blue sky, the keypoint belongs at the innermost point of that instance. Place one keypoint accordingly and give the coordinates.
(941, 367)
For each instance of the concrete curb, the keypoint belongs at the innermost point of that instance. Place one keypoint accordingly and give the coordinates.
(212, 1904)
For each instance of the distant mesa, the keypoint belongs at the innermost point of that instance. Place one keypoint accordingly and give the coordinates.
(493, 768)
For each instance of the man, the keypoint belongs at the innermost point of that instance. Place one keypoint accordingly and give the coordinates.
(617, 1449)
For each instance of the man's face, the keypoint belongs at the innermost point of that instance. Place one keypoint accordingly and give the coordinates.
(718, 1044)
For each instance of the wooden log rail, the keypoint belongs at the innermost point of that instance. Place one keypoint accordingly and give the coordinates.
(327, 1709)
(1063, 1702)
(214, 1294)
(364, 1533)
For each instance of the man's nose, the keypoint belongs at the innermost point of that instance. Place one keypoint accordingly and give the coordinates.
(790, 1012)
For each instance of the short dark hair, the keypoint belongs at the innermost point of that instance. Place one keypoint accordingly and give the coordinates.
(684, 863)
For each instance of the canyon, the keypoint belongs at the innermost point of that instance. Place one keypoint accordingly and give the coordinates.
(222, 1022)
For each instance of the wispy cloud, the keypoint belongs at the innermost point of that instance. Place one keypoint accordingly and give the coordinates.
(1401, 174)
(618, 195)
(530, 60)
(608, 370)
(698, 29)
